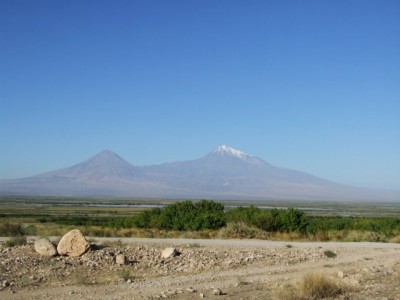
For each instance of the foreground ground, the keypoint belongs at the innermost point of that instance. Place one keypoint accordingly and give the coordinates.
(240, 269)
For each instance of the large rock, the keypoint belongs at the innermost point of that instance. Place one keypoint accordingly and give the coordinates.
(45, 247)
(169, 252)
(73, 243)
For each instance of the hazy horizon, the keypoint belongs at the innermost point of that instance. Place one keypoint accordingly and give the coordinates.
(310, 86)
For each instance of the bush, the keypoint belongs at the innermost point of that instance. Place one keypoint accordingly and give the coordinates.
(240, 230)
(317, 286)
(11, 229)
(16, 241)
(271, 220)
(30, 230)
(183, 216)
(330, 254)
(312, 287)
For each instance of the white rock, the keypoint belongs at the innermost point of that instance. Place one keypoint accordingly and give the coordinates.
(217, 291)
(169, 252)
(73, 243)
(45, 247)
(121, 260)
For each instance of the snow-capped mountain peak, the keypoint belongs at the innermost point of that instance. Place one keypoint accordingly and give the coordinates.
(225, 150)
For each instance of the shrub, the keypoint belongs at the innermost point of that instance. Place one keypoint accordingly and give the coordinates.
(11, 229)
(30, 230)
(80, 279)
(317, 286)
(16, 241)
(125, 274)
(330, 254)
(271, 220)
(242, 230)
(311, 287)
(183, 216)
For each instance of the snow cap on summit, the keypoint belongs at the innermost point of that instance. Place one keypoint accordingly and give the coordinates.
(223, 149)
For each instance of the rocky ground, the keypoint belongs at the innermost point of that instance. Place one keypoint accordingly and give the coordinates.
(138, 271)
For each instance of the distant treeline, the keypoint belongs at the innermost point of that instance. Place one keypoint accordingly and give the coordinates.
(209, 215)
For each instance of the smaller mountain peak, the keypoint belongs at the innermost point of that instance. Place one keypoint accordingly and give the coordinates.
(106, 152)
(106, 155)
(223, 149)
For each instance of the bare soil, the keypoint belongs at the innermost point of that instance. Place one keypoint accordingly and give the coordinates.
(240, 269)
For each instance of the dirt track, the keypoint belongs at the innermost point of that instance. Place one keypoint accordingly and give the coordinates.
(253, 243)
(257, 271)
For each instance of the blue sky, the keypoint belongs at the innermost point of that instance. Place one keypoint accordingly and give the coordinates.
(307, 85)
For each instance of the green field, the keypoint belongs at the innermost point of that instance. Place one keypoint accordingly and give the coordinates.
(46, 216)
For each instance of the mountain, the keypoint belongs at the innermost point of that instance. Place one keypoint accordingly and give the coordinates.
(223, 173)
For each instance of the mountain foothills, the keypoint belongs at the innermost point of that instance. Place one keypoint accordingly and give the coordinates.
(225, 173)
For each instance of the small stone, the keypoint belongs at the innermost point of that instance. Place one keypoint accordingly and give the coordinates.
(202, 295)
(129, 281)
(217, 291)
(45, 247)
(121, 260)
(340, 274)
(169, 252)
(191, 290)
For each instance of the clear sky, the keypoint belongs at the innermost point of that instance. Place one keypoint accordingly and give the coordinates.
(307, 85)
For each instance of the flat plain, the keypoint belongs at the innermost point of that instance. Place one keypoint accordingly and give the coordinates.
(238, 269)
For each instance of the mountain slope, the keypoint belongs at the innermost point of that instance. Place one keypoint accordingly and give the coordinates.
(222, 173)
(104, 166)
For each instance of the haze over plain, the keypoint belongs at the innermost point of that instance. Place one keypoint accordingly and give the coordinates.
(311, 86)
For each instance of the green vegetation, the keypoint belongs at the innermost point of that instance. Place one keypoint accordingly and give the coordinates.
(183, 216)
(11, 229)
(330, 254)
(194, 219)
(125, 274)
(271, 220)
(16, 241)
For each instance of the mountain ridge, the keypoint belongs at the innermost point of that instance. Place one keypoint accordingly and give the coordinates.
(224, 173)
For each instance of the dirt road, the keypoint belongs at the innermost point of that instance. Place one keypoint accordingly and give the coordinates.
(253, 243)
(240, 269)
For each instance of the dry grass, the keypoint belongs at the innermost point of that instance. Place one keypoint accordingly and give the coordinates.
(287, 292)
(288, 236)
(232, 230)
(363, 236)
(311, 287)
(115, 244)
(350, 236)
(395, 239)
(240, 230)
(318, 286)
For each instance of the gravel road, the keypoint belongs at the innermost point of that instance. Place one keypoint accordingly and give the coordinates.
(253, 243)
(241, 269)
